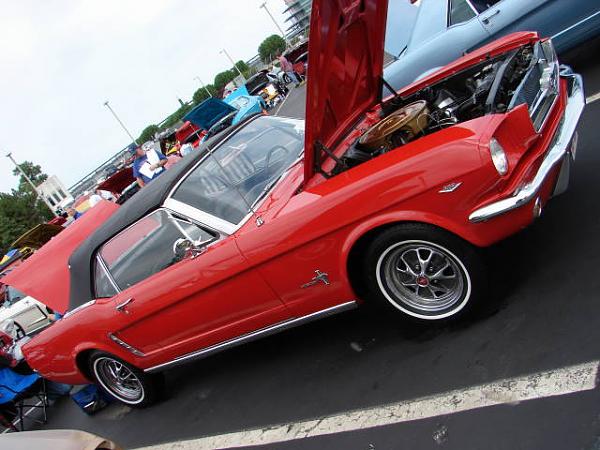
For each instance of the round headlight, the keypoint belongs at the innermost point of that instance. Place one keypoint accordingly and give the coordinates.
(498, 157)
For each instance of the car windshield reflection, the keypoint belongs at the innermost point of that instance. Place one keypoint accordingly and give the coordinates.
(236, 174)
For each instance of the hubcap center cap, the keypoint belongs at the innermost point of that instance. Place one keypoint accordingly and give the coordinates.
(422, 281)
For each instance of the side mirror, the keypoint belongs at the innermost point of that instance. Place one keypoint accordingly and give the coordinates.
(183, 248)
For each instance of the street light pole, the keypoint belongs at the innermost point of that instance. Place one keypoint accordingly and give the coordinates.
(203, 85)
(264, 6)
(120, 123)
(232, 62)
(38, 194)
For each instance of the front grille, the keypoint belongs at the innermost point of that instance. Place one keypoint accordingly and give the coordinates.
(530, 87)
(539, 87)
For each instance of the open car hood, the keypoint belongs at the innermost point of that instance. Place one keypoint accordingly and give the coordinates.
(118, 181)
(37, 236)
(45, 275)
(209, 112)
(346, 47)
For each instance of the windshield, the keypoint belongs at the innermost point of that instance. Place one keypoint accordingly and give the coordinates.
(258, 81)
(240, 102)
(235, 175)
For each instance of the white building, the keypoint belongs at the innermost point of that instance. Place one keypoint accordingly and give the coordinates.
(55, 192)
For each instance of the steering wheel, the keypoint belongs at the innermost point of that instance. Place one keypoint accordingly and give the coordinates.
(270, 154)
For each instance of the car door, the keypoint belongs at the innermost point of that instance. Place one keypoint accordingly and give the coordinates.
(564, 21)
(167, 306)
(501, 17)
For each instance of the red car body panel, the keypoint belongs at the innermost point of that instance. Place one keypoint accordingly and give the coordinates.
(185, 131)
(50, 263)
(118, 182)
(260, 275)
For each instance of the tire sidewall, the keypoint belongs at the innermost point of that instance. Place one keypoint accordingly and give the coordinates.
(463, 254)
(148, 384)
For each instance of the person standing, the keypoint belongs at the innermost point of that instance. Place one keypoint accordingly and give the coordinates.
(148, 165)
(287, 67)
(73, 213)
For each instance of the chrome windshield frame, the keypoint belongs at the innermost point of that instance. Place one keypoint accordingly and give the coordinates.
(211, 220)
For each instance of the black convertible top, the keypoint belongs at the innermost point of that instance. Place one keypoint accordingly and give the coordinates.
(151, 197)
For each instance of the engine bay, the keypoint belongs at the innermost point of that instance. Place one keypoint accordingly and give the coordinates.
(486, 88)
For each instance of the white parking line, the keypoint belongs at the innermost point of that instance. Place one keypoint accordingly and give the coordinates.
(25, 414)
(592, 98)
(283, 102)
(563, 381)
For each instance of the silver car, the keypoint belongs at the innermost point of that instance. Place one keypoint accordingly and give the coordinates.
(445, 29)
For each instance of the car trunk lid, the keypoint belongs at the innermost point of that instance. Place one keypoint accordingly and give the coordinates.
(45, 275)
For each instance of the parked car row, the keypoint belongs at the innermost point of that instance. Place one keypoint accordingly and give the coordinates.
(445, 30)
(277, 222)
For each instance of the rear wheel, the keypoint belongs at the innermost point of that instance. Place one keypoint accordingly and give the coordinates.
(424, 273)
(125, 382)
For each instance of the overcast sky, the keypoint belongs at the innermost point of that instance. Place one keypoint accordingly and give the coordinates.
(62, 59)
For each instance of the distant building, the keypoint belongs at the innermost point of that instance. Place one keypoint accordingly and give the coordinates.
(55, 192)
(298, 20)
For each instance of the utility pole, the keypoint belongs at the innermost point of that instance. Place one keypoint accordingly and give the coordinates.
(203, 85)
(120, 123)
(264, 6)
(38, 194)
(234, 65)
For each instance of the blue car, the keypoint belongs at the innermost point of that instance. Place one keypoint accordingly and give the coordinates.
(445, 29)
(215, 115)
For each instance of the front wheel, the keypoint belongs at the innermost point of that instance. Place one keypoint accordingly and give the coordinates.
(424, 273)
(125, 382)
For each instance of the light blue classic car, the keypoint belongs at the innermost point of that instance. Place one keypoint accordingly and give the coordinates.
(445, 29)
(215, 115)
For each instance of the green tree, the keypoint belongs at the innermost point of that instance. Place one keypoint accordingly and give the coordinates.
(271, 47)
(242, 66)
(221, 79)
(200, 95)
(21, 209)
(176, 116)
(33, 171)
(148, 133)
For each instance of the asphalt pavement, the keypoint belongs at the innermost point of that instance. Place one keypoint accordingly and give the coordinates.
(545, 316)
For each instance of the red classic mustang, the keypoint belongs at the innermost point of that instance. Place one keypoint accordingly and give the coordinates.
(278, 222)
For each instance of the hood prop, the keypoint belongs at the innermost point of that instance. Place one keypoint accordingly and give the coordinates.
(320, 147)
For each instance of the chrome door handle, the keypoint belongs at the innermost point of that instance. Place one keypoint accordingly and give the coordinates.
(486, 20)
(121, 306)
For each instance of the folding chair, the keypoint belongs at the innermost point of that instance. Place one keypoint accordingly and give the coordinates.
(15, 392)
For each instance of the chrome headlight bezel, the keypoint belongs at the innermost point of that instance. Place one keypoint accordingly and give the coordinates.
(498, 156)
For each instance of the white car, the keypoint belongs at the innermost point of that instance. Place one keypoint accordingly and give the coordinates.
(30, 314)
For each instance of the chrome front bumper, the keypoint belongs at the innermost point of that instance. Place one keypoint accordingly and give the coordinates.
(561, 146)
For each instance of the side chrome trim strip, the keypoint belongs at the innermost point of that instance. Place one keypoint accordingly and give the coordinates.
(575, 25)
(281, 326)
(125, 345)
(555, 154)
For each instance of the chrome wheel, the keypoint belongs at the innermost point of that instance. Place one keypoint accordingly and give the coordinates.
(423, 279)
(118, 379)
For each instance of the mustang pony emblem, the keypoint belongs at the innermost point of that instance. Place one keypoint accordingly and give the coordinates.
(319, 277)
